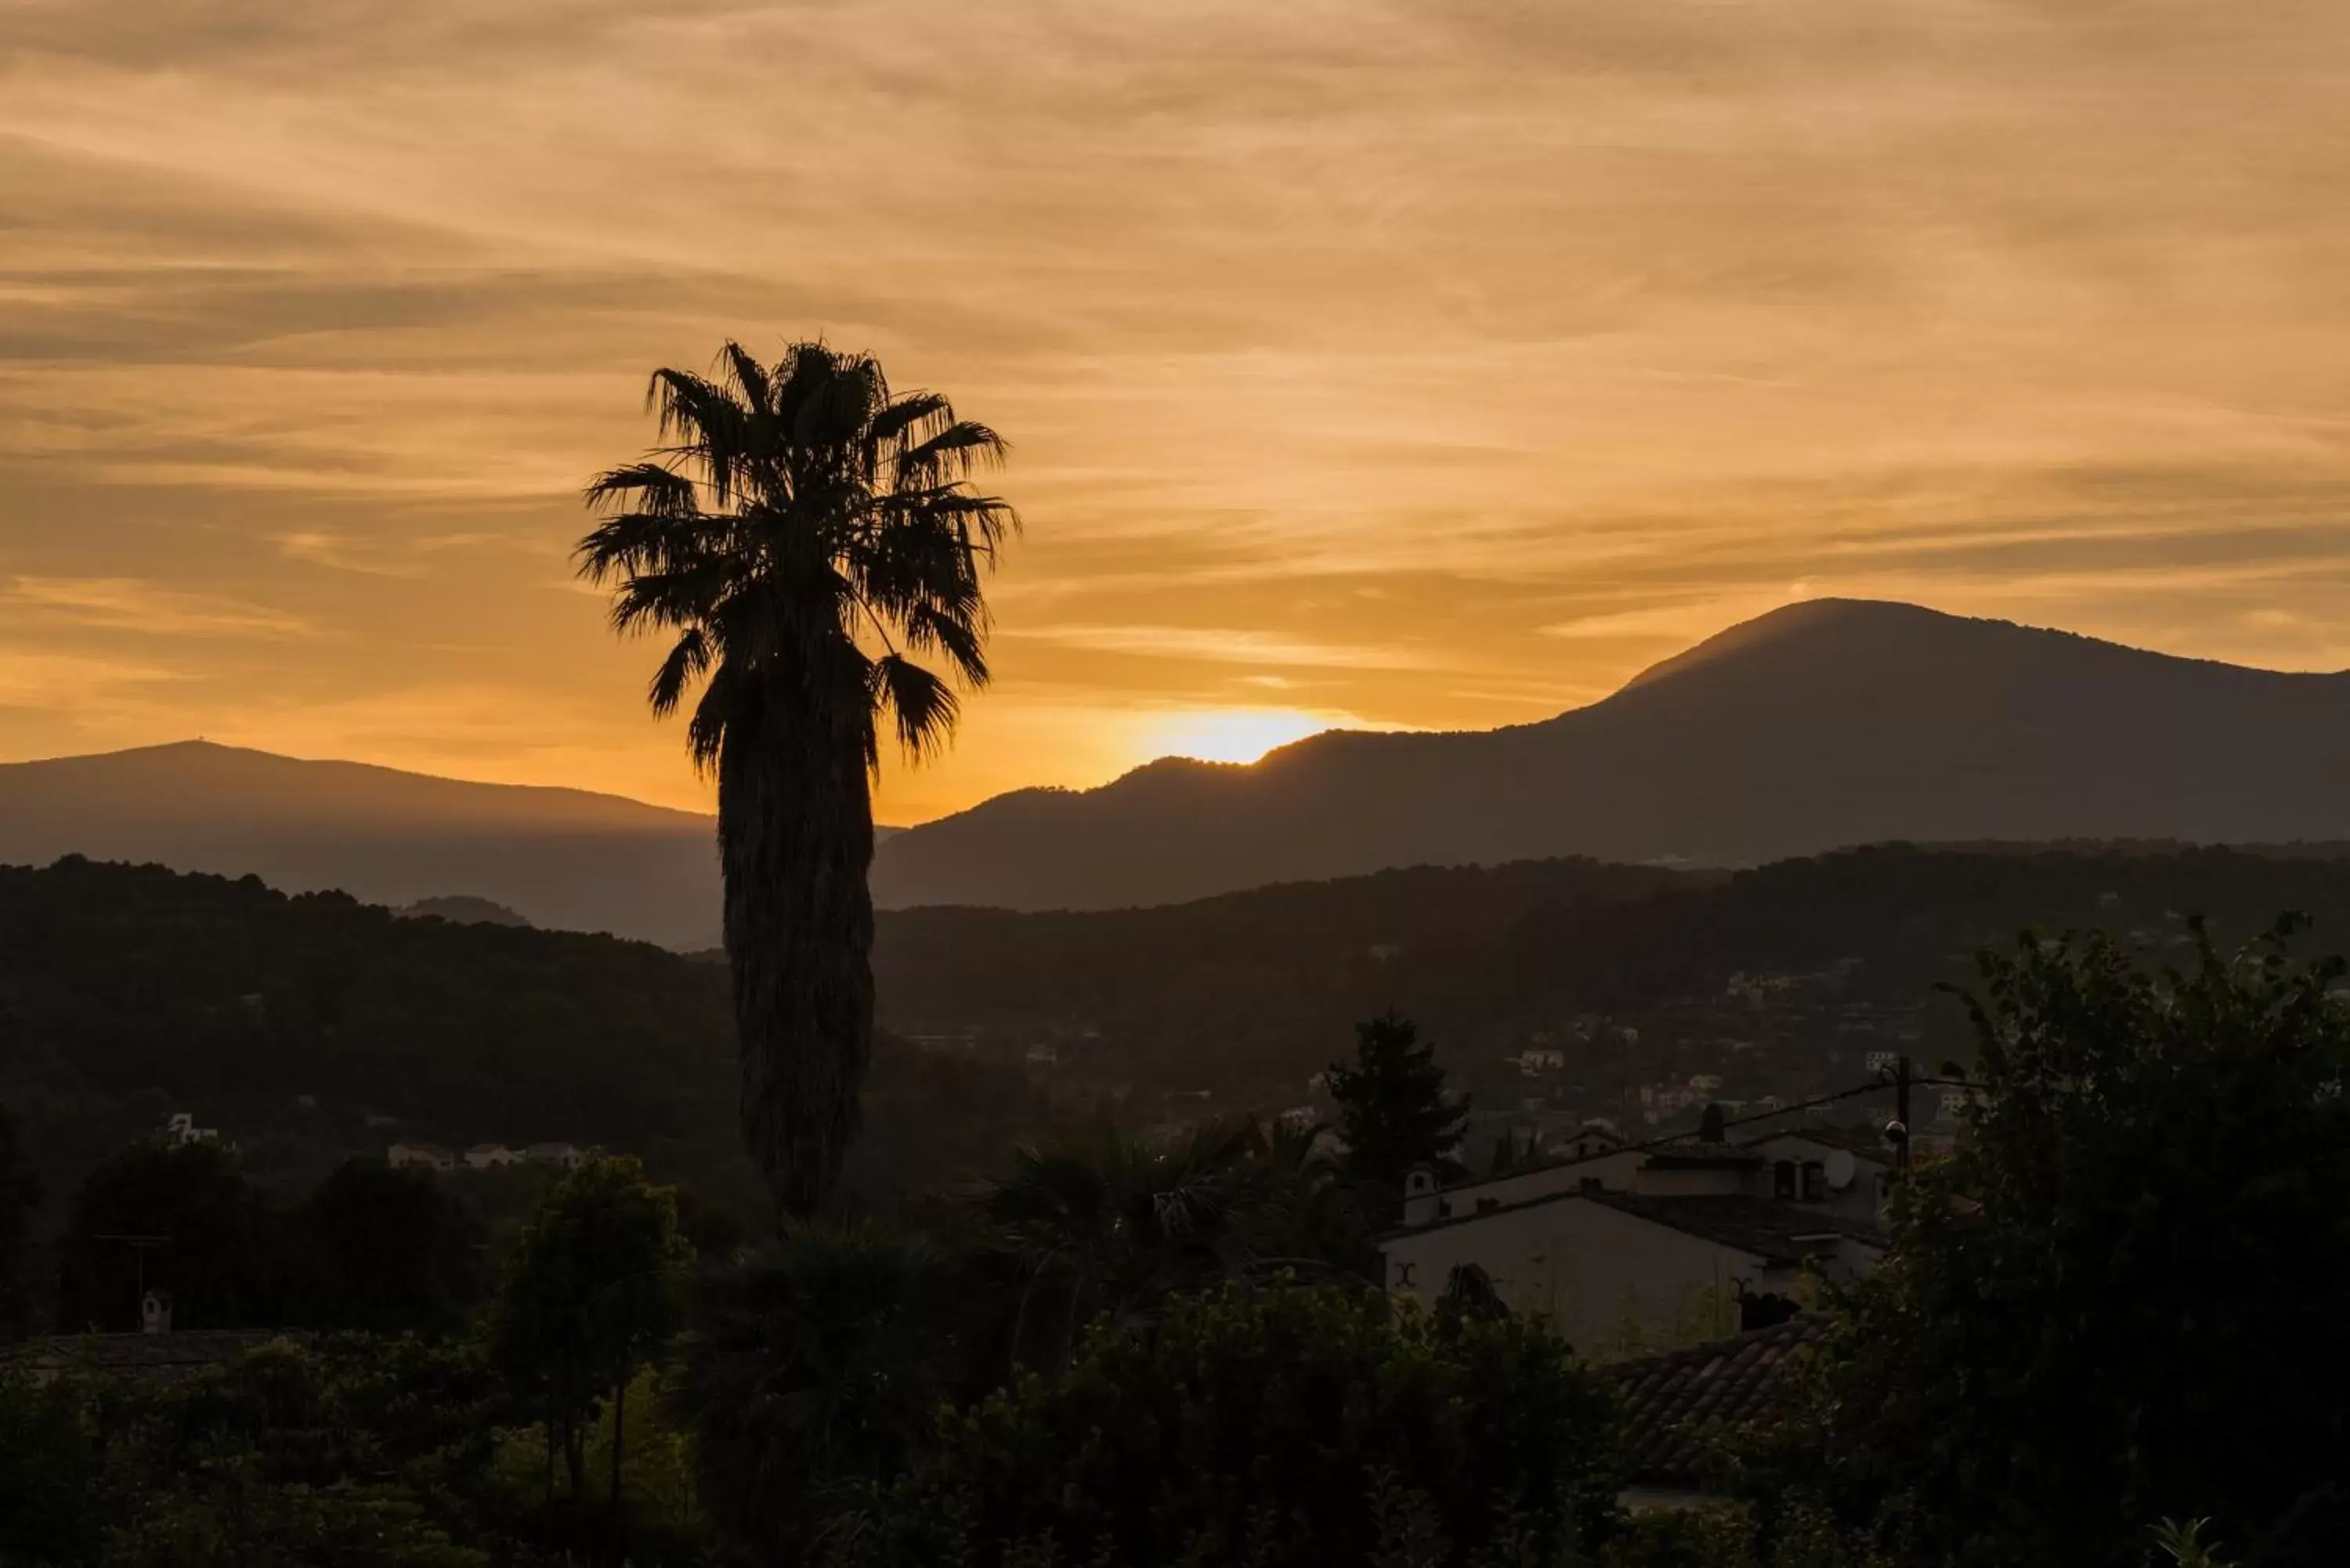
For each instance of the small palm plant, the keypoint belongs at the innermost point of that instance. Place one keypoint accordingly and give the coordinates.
(2182, 1544)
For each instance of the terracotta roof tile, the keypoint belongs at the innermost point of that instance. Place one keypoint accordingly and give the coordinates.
(1677, 1405)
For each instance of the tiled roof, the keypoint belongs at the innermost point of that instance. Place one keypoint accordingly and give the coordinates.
(159, 1356)
(1679, 1406)
(1778, 1233)
(1704, 1156)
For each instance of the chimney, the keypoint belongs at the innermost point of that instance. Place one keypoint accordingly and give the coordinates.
(1421, 1203)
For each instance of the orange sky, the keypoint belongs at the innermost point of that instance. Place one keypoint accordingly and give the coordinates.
(1431, 365)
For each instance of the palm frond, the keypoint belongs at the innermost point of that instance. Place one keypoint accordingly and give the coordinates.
(910, 414)
(685, 664)
(924, 707)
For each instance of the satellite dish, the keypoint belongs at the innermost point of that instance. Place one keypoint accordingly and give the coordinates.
(1840, 1167)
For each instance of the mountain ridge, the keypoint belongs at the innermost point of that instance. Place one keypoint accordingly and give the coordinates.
(1821, 724)
(564, 858)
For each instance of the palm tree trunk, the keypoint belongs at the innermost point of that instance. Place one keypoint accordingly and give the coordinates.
(795, 838)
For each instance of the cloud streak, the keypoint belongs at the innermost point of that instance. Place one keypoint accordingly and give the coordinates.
(1447, 364)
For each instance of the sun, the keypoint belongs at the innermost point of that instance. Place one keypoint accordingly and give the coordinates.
(1233, 735)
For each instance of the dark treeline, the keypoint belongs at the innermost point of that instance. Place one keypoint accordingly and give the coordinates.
(307, 1029)
(1243, 992)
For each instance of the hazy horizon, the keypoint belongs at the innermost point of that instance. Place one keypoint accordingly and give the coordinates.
(1363, 366)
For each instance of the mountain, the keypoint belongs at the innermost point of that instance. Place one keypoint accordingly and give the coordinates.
(463, 909)
(561, 858)
(1826, 724)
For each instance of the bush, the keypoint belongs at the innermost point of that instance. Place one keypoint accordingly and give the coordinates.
(2128, 1294)
(1275, 1426)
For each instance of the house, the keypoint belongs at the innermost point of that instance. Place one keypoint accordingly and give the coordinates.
(1611, 1269)
(1042, 1057)
(421, 1156)
(1589, 1139)
(490, 1156)
(1625, 1243)
(181, 1128)
(1536, 1060)
(1678, 1408)
(563, 1155)
(1845, 1170)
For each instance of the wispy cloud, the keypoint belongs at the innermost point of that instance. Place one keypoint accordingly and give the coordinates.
(1453, 362)
(132, 605)
(1225, 645)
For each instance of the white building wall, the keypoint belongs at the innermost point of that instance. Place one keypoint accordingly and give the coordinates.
(1589, 1269)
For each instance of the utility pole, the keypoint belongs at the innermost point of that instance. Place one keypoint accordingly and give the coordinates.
(1902, 1112)
(141, 1246)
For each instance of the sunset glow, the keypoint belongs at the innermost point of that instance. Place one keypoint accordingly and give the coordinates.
(1233, 735)
(1436, 366)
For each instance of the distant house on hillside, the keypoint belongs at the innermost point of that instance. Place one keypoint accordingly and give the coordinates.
(181, 1128)
(490, 1156)
(421, 1156)
(1589, 1139)
(563, 1155)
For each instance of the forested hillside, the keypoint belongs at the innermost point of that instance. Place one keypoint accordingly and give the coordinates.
(1248, 993)
(311, 1027)
(308, 1028)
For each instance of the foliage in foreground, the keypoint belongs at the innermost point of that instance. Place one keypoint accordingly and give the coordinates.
(2128, 1296)
(347, 1452)
(1267, 1425)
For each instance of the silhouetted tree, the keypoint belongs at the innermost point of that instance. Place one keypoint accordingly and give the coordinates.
(1393, 1111)
(220, 1255)
(590, 1291)
(804, 536)
(387, 1250)
(20, 1196)
(2127, 1297)
(1109, 1226)
(814, 1375)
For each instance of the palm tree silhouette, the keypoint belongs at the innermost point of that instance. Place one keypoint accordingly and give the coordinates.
(807, 536)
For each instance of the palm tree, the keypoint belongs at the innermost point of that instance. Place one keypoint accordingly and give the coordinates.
(1106, 1227)
(806, 536)
(814, 1376)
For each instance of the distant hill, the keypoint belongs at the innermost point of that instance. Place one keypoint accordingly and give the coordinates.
(1775, 979)
(563, 858)
(463, 909)
(1823, 724)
